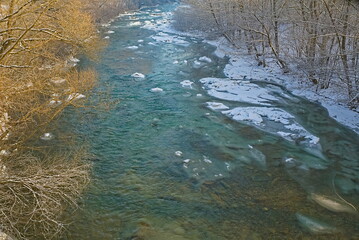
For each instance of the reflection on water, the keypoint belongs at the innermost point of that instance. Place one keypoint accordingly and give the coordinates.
(233, 180)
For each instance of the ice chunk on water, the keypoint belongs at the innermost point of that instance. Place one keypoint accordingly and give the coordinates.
(178, 153)
(132, 47)
(138, 75)
(155, 90)
(110, 32)
(216, 106)
(205, 59)
(226, 89)
(187, 83)
(245, 114)
(186, 160)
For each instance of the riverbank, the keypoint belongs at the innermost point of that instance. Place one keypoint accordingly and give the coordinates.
(243, 66)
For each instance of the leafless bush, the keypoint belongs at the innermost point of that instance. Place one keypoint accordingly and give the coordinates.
(34, 194)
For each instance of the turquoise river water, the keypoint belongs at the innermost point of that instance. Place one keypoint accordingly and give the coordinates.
(231, 179)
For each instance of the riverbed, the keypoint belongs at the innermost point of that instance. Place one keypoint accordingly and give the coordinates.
(189, 153)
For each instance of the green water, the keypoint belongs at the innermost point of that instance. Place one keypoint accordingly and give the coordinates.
(237, 184)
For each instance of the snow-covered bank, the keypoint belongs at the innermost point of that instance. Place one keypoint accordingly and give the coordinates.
(242, 66)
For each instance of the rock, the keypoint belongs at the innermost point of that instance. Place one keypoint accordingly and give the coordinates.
(4, 236)
(314, 225)
(47, 136)
(334, 205)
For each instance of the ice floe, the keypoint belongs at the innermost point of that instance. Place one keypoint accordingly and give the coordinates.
(110, 32)
(187, 83)
(178, 153)
(262, 116)
(166, 38)
(132, 47)
(155, 90)
(239, 91)
(205, 59)
(216, 106)
(138, 75)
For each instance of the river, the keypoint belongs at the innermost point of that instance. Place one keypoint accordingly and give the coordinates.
(170, 167)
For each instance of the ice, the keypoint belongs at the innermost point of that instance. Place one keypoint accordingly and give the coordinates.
(47, 136)
(107, 37)
(57, 80)
(259, 116)
(73, 59)
(250, 114)
(178, 153)
(187, 83)
(231, 90)
(75, 96)
(155, 90)
(132, 47)
(110, 32)
(166, 38)
(199, 95)
(216, 106)
(140, 41)
(186, 160)
(206, 159)
(205, 59)
(138, 75)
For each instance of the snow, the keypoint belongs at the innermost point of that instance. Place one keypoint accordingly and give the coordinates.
(73, 59)
(244, 66)
(178, 153)
(132, 47)
(57, 80)
(216, 106)
(262, 116)
(231, 90)
(155, 90)
(173, 39)
(186, 160)
(187, 83)
(205, 59)
(75, 96)
(138, 75)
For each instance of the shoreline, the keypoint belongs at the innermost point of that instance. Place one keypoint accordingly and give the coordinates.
(243, 66)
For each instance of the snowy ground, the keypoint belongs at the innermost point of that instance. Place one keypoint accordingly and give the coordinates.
(242, 65)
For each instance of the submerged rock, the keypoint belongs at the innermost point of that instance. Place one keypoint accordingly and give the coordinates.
(315, 226)
(334, 205)
(4, 236)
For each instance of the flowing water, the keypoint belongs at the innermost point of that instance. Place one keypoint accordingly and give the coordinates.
(231, 179)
